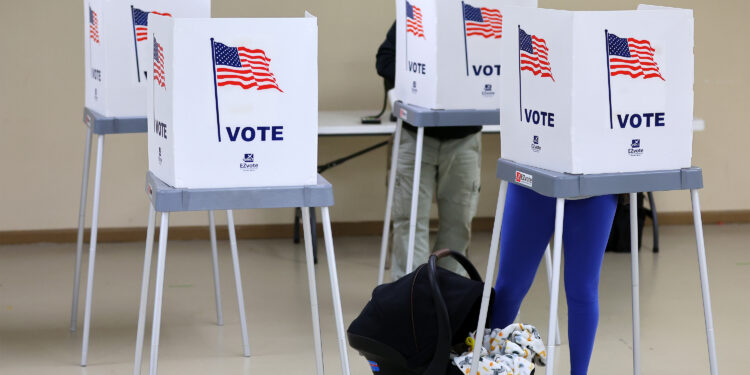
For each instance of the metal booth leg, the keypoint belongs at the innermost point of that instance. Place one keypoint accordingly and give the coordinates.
(314, 309)
(414, 200)
(703, 269)
(215, 261)
(144, 290)
(389, 201)
(81, 226)
(338, 314)
(491, 261)
(634, 275)
(554, 294)
(238, 283)
(158, 292)
(313, 231)
(548, 263)
(92, 248)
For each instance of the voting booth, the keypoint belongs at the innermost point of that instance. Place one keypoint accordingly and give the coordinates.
(116, 52)
(598, 92)
(448, 52)
(233, 102)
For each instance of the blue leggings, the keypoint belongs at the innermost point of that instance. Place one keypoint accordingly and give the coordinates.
(528, 224)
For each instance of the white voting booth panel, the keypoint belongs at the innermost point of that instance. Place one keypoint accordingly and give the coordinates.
(233, 102)
(116, 52)
(598, 92)
(448, 52)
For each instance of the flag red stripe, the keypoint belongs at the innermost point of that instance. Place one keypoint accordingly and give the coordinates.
(537, 72)
(246, 78)
(246, 71)
(536, 65)
(244, 86)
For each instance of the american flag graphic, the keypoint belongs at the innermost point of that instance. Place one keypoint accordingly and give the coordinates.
(93, 26)
(631, 57)
(140, 23)
(483, 21)
(414, 20)
(244, 67)
(159, 74)
(534, 54)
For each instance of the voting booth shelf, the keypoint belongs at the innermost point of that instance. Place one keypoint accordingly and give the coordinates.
(117, 56)
(448, 52)
(598, 92)
(233, 102)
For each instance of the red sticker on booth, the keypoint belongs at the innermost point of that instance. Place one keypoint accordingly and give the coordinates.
(524, 179)
(402, 113)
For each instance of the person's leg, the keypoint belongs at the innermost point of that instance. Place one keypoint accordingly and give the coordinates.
(587, 226)
(458, 177)
(402, 202)
(528, 223)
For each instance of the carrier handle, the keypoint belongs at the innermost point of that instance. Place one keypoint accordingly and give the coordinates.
(442, 349)
(462, 260)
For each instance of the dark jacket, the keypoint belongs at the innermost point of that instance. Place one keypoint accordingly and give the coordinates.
(386, 66)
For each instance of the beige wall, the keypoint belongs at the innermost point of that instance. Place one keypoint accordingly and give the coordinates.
(42, 137)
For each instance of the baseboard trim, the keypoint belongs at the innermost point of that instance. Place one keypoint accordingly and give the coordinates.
(261, 231)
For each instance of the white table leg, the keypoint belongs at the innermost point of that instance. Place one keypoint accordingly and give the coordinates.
(215, 259)
(144, 290)
(314, 309)
(548, 263)
(389, 201)
(158, 292)
(81, 226)
(92, 248)
(491, 261)
(703, 268)
(554, 295)
(337, 311)
(634, 276)
(238, 283)
(414, 200)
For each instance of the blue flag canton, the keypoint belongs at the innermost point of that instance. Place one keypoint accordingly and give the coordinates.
(524, 42)
(140, 17)
(91, 16)
(409, 10)
(226, 55)
(472, 14)
(156, 50)
(617, 46)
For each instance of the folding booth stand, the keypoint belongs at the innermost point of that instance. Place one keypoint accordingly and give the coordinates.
(565, 186)
(166, 199)
(421, 117)
(101, 126)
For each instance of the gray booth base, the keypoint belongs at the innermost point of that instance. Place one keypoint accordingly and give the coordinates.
(565, 185)
(168, 199)
(424, 117)
(114, 125)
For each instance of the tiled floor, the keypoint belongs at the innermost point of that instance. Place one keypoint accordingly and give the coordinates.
(36, 282)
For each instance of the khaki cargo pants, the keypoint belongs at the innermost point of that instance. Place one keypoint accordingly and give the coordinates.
(452, 169)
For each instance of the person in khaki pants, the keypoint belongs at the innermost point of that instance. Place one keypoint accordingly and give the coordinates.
(451, 160)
